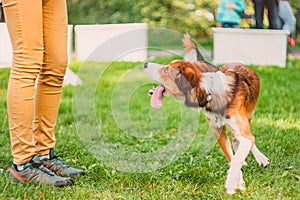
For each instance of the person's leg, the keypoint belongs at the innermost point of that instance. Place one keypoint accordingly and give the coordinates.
(259, 13)
(286, 14)
(289, 21)
(272, 6)
(49, 87)
(24, 22)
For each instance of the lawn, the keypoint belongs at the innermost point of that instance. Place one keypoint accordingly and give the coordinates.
(131, 151)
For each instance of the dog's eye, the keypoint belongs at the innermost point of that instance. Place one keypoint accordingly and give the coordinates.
(166, 69)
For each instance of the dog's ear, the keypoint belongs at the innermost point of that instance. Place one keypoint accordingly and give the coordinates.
(182, 83)
(187, 77)
(188, 81)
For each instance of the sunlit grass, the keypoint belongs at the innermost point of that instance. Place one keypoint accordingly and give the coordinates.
(193, 175)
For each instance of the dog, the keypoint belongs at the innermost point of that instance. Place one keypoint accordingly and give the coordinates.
(227, 96)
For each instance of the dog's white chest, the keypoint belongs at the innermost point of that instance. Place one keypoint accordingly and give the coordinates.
(216, 120)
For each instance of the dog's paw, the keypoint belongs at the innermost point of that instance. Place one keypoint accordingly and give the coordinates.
(242, 185)
(234, 182)
(262, 160)
(230, 191)
(260, 157)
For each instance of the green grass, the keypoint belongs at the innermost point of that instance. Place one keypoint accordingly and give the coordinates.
(119, 158)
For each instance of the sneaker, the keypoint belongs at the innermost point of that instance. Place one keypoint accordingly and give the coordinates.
(291, 42)
(59, 167)
(34, 172)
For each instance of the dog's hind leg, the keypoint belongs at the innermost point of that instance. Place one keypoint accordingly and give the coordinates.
(260, 157)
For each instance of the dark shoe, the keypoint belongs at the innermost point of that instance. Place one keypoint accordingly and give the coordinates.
(59, 167)
(35, 172)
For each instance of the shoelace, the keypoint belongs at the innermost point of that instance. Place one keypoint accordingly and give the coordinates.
(35, 164)
(42, 168)
(47, 171)
(59, 162)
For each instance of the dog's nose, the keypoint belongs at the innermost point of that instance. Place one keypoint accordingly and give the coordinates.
(145, 65)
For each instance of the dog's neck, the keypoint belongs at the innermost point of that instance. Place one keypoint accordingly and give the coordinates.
(216, 84)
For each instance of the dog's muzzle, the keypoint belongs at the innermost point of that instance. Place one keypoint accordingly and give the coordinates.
(152, 70)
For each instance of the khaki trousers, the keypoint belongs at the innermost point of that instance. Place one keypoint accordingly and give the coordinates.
(38, 32)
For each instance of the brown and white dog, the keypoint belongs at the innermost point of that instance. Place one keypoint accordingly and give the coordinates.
(227, 96)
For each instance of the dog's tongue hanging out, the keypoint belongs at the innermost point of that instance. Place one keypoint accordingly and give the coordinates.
(156, 98)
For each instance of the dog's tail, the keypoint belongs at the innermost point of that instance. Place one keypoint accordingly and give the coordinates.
(192, 54)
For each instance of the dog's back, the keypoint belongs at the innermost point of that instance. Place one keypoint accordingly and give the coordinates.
(247, 82)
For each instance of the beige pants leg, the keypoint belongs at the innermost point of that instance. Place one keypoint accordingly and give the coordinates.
(38, 31)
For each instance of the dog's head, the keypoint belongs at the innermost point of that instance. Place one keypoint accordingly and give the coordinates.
(181, 79)
(178, 79)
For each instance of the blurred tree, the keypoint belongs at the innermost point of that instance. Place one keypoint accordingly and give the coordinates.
(98, 12)
(194, 16)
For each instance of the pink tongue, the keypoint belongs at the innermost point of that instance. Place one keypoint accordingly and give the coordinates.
(156, 98)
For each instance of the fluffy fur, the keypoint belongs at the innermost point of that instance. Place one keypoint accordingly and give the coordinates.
(227, 96)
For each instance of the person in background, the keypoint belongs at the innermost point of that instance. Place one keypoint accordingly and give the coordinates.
(272, 6)
(38, 33)
(229, 13)
(287, 20)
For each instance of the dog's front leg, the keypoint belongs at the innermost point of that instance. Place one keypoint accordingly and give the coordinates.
(223, 141)
(234, 179)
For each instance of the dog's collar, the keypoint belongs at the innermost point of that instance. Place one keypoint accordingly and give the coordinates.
(208, 98)
(206, 104)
